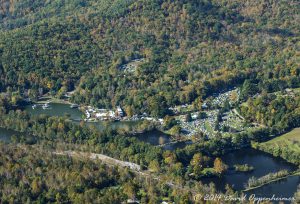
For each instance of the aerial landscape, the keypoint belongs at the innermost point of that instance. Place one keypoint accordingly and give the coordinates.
(149, 101)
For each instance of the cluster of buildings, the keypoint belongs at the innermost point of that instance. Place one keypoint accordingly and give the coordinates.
(230, 119)
(208, 124)
(103, 114)
(96, 114)
(144, 116)
(205, 125)
(220, 99)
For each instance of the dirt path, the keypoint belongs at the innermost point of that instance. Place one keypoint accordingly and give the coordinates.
(102, 157)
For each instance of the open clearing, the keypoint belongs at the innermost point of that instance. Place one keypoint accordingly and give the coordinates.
(290, 139)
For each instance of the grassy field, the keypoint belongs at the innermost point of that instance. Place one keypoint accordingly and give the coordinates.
(286, 146)
(291, 139)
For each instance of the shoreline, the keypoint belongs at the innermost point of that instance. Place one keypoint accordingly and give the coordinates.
(52, 100)
(295, 173)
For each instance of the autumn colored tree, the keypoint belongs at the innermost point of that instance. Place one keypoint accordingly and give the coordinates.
(219, 166)
(154, 166)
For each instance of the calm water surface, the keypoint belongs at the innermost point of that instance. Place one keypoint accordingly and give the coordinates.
(152, 137)
(56, 109)
(159, 138)
(263, 164)
(283, 188)
(5, 135)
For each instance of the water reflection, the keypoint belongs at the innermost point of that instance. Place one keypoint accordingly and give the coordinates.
(56, 109)
(263, 164)
(152, 137)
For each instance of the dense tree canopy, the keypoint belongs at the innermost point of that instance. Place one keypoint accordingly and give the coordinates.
(178, 52)
(62, 45)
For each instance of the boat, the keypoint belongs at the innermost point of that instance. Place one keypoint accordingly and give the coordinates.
(74, 106)
(33, 106)
(46, 106)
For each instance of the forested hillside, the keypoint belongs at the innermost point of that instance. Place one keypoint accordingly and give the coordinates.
(84, 82)
(191, 49)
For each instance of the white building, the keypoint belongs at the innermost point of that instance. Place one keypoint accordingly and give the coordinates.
(120, 111)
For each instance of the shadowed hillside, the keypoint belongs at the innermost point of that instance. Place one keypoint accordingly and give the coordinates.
(192, 48)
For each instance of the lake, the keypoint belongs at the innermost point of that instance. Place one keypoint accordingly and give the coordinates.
(56, 109)
(60, 109)
(283, 188)
(156, 138)
(263, 164)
